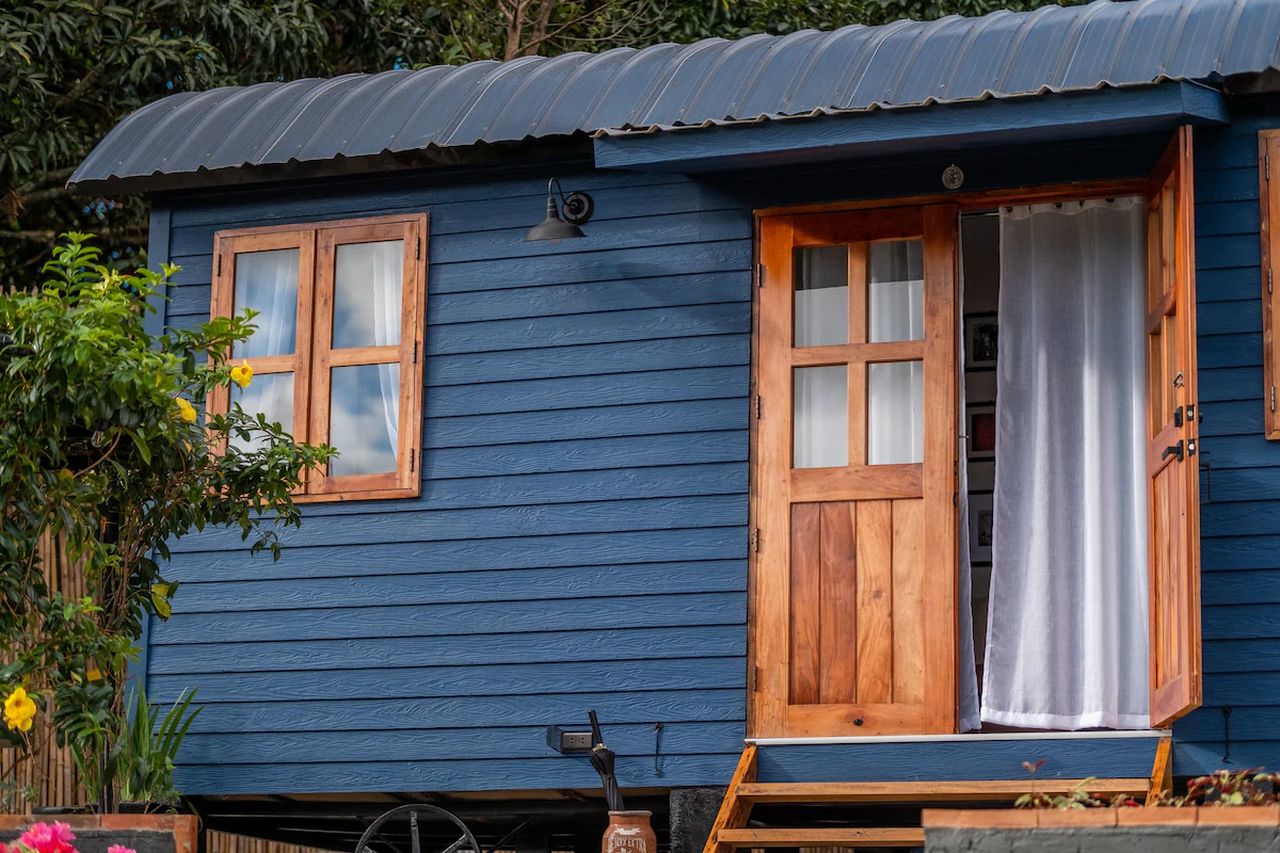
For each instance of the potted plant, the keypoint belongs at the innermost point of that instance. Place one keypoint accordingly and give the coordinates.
(104, 459)
(1227, 809)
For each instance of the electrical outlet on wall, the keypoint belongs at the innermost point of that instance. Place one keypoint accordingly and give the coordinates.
(566, 739)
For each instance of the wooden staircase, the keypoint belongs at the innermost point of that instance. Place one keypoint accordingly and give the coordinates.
(731, 830)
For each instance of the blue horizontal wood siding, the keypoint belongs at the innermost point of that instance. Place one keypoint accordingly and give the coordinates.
(1240, 470)
(580, 540)
(581, 537)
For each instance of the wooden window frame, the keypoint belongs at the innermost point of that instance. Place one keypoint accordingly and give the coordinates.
(314, 357)
(1269, 231)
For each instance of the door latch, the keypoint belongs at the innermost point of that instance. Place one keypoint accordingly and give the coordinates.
(1178, 450)
(1177, 417)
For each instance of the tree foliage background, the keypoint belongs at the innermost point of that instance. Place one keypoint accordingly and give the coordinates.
(70, 69)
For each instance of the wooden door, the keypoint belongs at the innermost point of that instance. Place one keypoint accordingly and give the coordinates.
(853, 622)
(1172, 438)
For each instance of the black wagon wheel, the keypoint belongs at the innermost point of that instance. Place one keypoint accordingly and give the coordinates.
(418, 828)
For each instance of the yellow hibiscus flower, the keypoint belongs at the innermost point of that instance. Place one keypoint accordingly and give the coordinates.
(242, 375)
(19, 711)
(186, 411)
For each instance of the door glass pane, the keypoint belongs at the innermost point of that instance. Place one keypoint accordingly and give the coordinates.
(822, 295)
(267, 282)
(821, 418)
(268, 393)
(367, 283)
(364, 418)
(895, 283)
(895, 413)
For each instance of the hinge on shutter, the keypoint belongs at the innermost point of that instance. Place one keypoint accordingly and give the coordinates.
(415, 352)
(755, 405)
(753, 678)
(218, 269)
(413, 458)
(1266, 159)
(1271, 399)
(754, 542)
(417, 250)
(1269, 283)
(760, 269)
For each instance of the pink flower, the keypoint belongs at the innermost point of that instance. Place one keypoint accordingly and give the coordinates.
(49, 838)
(114, 848)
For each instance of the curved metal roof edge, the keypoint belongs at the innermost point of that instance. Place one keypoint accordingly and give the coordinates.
(712, 82)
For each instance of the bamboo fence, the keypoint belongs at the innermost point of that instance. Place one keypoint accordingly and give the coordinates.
(51, 773)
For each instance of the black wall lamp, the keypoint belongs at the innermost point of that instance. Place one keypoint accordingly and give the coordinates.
(576, 207)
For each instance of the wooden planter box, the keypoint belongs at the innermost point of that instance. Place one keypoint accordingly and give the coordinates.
(1170, 830)
(95, 833)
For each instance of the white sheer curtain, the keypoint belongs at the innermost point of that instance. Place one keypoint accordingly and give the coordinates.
(895, 390)
(1067, 642)
(387, 287)
(267, 282)
(365, 419)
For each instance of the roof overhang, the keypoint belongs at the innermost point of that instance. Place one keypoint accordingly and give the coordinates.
(854, 135)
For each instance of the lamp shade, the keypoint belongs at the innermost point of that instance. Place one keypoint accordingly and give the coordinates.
(553, 227)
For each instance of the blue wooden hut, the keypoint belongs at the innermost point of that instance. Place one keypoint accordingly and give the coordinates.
(874, 412)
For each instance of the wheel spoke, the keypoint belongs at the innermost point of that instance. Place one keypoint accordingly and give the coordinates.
(415, 843)
(458, 845)
(387, 841)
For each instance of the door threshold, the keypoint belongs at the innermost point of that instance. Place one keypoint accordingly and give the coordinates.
(1085, 735)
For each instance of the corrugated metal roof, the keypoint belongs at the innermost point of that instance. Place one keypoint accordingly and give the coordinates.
(903, 64)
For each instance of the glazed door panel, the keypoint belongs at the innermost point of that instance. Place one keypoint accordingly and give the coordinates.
(854, 578)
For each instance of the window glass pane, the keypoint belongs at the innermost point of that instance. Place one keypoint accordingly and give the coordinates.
(821, 422)
(895, 282)
(895, 413)
(364, 418)
(267, 282)
(367, 282)
(268, 393)
(822, 295)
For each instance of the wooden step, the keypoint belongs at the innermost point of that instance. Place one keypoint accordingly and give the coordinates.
(895, 836)
(928, 792)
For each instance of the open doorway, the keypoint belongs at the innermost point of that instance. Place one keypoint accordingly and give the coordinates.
(859, 599)
(1054, 391)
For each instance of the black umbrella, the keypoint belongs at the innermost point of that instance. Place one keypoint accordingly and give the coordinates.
(602, 759)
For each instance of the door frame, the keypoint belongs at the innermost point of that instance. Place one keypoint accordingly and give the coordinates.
(965, 202)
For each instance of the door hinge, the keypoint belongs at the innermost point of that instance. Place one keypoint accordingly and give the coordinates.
(755, 406)
(218, 270)
(754, 540)
(415, 352)
(413, 458)
(1266, 160)
(753, 678)
(1269, 282)
(1271, 398)
(760, 270)
(417, 249)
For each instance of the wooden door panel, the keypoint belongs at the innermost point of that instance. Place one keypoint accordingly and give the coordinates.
(848, 577)
(1173, 460)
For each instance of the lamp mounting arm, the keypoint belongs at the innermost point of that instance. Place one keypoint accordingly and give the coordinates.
(575, 207)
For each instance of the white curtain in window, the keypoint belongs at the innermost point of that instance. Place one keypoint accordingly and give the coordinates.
(267, 282)
(387, 286)
(1067, 641)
